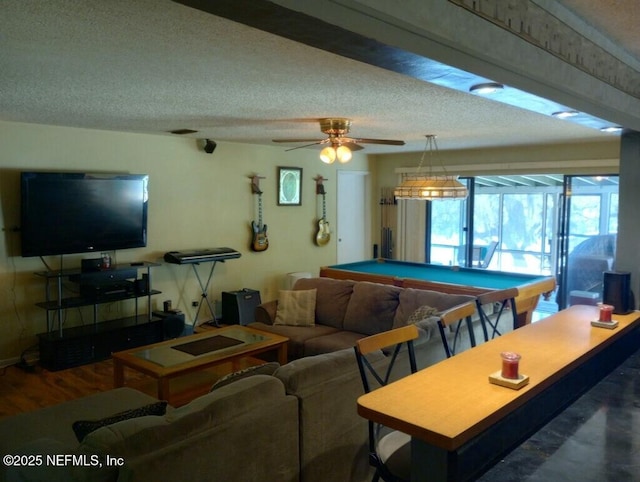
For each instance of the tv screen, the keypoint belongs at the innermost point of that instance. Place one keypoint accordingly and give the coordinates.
(65, 213)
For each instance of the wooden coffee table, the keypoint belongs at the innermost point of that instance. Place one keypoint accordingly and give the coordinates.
(181, 356)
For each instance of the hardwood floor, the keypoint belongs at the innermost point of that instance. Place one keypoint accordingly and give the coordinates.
(24, 391)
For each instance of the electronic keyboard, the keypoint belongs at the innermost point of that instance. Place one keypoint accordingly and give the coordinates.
(200, 255)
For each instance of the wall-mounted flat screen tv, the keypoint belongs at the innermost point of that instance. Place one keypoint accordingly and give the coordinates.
(65, 213)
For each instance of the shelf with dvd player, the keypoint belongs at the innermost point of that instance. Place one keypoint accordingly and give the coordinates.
(96, 287)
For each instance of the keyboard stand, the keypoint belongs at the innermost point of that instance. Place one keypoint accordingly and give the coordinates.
(205, 295)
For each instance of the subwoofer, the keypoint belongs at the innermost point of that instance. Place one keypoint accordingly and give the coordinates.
(173, 325)
(617, 291)
(239, 306)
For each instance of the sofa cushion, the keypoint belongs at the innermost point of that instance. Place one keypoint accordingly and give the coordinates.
(297, 335)
(332, 298)
(296, 308)
(82, 428)
(139, 436)
(55, 421)
(372, 308)
(332, 342)
(333, 437)
(115, 436)
(264, 369)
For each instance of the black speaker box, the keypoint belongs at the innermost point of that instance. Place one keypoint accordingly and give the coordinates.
(172, 323)
(239, 306)
(617, 291)
(92, 264)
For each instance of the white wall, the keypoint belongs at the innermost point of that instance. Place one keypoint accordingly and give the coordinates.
(196, 200)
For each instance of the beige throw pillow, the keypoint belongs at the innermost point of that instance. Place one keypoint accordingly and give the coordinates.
(296, 308)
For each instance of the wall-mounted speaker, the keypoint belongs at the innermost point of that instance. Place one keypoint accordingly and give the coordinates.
(209, 146)
(617, 291)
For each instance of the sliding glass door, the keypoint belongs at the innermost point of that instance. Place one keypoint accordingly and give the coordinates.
(587, 238)
(447, 229)
(538, 224)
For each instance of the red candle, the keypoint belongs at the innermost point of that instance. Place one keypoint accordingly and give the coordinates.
(605, 312)
(510, 362)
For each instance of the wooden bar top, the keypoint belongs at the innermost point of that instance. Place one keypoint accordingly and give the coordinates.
(449, 403)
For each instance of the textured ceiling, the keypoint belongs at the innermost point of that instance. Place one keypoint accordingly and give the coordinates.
(152, 66)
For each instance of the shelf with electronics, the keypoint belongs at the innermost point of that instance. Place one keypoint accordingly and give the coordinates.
(62, 347)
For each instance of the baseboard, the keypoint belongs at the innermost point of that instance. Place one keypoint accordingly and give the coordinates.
(31, 359)
(9, 361)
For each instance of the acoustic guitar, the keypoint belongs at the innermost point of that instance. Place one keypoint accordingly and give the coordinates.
(324, 234)
(259, 240)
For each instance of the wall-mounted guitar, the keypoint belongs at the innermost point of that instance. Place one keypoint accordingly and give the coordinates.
(323, 235)
(259, 241)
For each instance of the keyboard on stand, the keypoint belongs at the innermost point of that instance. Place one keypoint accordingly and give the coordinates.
(200, 255)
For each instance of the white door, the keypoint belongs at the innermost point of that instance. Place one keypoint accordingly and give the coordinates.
(354, 218)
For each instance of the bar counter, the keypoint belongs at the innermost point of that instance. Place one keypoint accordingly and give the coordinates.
(461, 424)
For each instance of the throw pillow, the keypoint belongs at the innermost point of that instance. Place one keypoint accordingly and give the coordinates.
(421, 313)
(82, 428)
(296, 308)
(264, 369)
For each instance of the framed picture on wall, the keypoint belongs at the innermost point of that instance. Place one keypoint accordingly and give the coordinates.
(289, 186)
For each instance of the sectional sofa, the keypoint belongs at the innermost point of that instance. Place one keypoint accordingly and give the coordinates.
(343, 311)
(299, 422)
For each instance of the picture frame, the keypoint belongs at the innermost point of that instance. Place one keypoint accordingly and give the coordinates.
(289, 186)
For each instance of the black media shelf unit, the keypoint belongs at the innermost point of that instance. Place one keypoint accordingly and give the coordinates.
(62, 347)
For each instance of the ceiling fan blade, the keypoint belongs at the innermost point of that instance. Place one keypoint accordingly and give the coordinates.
(388, 142)
(301, 147)
(353, 146)
(295, 141)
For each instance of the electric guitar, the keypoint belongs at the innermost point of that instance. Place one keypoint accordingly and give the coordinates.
(259, 241)
(324, 234)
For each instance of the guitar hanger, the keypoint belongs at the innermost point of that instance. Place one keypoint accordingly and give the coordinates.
(255, 183)
(319, 186)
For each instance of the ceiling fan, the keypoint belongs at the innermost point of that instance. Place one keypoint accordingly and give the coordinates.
(339, 145)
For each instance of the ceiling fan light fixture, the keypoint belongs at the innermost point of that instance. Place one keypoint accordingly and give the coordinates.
(486, 88)
(328, 155)
(343, 154)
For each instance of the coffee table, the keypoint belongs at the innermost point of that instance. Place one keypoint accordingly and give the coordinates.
(174, 358)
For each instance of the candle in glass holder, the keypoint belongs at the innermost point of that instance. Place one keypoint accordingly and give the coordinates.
(510, 363)
(605, 312)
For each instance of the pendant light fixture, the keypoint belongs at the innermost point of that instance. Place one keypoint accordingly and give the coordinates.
(429, 187)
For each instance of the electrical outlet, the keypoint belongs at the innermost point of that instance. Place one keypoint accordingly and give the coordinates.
(195, 303)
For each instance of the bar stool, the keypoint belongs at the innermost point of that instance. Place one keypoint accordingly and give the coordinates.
(505, 300)
(389, 450)
(453, 315)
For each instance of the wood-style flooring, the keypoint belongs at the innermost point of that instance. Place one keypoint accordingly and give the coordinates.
(24, 391)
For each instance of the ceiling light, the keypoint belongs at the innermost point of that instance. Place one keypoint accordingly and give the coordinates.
(429, 187)
(486, 88)
(611, 129)
(565, 114)
(329, 154)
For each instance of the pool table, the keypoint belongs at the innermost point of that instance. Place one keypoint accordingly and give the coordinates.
(447, 279)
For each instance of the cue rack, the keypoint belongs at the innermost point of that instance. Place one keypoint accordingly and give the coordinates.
(388, 218)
